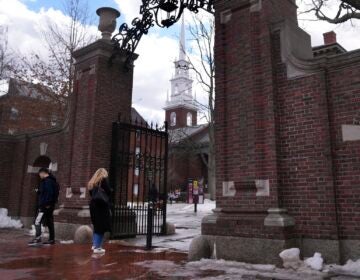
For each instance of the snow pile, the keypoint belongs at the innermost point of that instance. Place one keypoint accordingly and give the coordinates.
(223, 270)
(6, 221)
(350, 268)
(295, 269)
(316, 262)
(291, 258)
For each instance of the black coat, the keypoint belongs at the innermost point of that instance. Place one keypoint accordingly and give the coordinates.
(47, 192)
(100, 212)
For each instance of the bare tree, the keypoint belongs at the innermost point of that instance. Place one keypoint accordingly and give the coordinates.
(345, 10)
(202, 32)
(55, 73)
(63, 40)
(6, 58)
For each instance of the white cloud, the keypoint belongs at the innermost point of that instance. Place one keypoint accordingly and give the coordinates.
(26, 26)
(129, 8)
(157, 50)
(153, 70)
(348, 34)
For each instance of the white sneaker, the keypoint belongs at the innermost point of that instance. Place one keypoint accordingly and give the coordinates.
(99, 251)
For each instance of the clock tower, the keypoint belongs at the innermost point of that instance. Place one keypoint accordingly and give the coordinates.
(180, 108)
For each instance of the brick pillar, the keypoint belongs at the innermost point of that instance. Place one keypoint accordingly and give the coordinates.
(249, 215)
(101, 93)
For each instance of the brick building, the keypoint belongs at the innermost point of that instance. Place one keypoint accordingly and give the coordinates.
(74, 149)
(287, 138)
(188, 140)
(28, 107)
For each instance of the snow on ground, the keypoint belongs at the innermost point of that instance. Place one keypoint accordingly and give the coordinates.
(226, 270)
(188, 226)
(350, 268)
(6, 221)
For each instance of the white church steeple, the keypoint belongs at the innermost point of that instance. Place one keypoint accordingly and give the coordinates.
(181, 83)
(181, 103)
(182, 49)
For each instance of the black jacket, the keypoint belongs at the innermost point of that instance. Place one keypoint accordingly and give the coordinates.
(100, 212)
(47, 191)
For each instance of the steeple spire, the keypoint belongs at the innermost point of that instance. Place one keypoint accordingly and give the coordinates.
(182, 53)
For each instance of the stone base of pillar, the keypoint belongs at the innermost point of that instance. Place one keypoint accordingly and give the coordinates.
(260, 237)
(68, 220)
(249, 250)
(266, 251)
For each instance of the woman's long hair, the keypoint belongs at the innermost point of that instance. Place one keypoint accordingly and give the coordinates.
(98, 176)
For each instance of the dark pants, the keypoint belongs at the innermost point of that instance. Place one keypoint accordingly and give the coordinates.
(45, 217)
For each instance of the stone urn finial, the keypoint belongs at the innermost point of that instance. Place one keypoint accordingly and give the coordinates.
(107, 22)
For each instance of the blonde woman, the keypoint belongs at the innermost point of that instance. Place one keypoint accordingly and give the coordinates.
(99, 208)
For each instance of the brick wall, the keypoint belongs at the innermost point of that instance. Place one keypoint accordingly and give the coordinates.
(344, 108)
(181, 117)
(79, 147)
(183, 166)
(29, 114)
(6, 152)
(286, 130)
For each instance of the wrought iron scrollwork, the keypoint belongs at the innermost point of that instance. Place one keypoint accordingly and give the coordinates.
(152, 12)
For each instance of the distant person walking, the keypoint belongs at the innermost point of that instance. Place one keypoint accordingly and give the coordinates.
(100, 208)
(48, 195)
(153, 194)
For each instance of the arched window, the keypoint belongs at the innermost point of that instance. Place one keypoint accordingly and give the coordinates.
(189, 119)
(173, 119)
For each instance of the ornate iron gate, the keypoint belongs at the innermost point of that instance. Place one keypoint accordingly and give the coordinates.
(138, 173)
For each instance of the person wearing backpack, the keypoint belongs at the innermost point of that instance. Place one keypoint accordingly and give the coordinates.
(48, 196)
(100, 193)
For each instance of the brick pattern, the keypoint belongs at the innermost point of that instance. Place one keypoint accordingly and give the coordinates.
(284, 130)
(32, 114)
(183, 166)
(79, 148)
(181, 117)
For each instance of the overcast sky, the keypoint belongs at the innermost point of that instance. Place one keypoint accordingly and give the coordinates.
(158, 50)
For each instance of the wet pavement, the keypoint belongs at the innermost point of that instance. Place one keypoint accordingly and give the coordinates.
(67, 262)
(76, 262)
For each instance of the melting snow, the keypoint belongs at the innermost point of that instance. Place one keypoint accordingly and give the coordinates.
(7, 222)
(188, 226)
(316, 262)
(225, 270)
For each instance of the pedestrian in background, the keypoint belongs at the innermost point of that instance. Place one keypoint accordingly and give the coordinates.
(100, 208)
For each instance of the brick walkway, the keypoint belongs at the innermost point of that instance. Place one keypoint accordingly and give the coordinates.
(67, 262)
